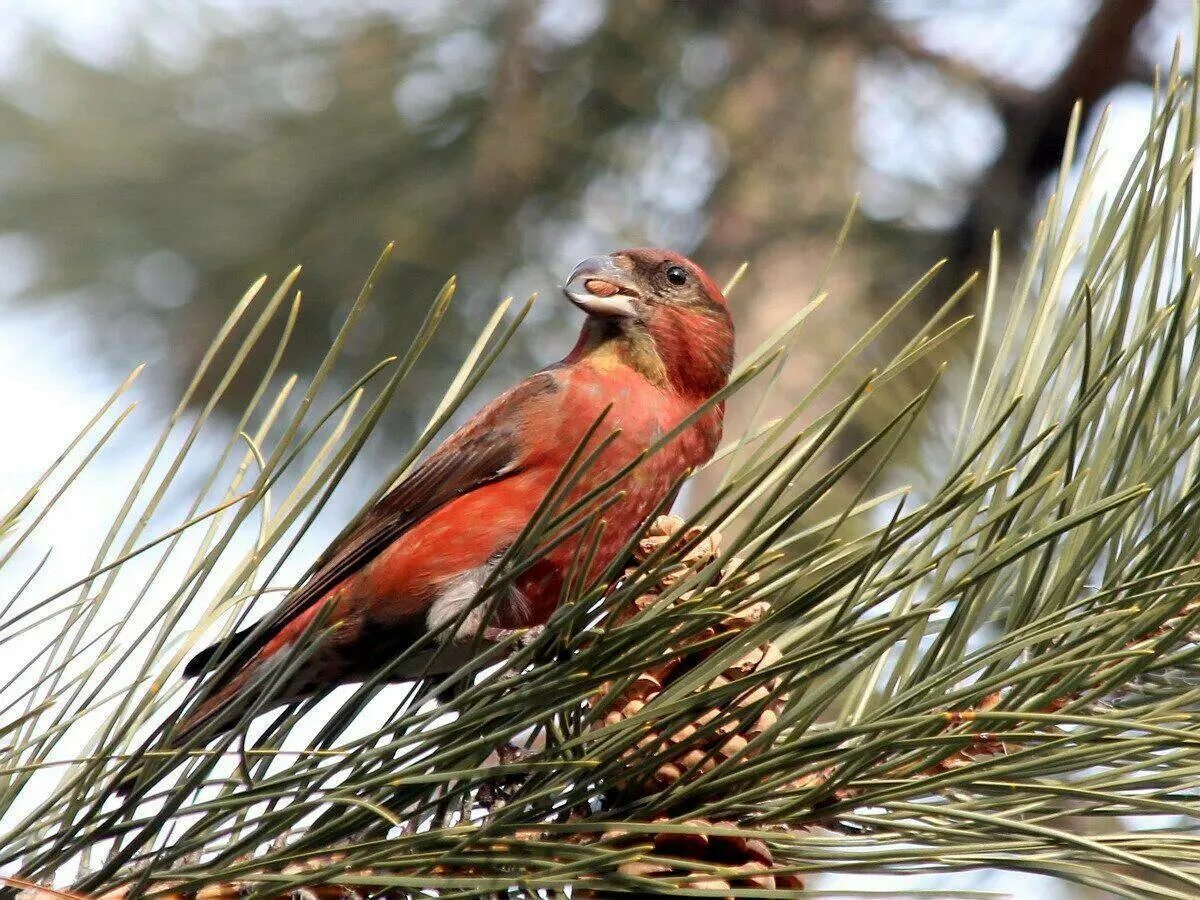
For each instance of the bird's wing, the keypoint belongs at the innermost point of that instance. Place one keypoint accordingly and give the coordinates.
(483, 451)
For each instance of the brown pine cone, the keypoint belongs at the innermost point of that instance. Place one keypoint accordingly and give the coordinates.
(763, 702)
(684, 860)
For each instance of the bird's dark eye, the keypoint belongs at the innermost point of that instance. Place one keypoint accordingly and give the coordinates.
(676, 275)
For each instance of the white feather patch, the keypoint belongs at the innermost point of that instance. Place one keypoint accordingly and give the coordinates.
(459, 593)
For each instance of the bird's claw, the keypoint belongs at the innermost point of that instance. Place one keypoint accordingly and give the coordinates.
(524, 636)
(502, 788)
(510, 754)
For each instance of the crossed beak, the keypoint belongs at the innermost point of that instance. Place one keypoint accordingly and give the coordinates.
(602, 287)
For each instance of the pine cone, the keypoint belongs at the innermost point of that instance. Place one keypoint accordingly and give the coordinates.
(693, 748)
(744, 863)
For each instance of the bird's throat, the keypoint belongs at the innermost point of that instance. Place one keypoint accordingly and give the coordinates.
(608, 344)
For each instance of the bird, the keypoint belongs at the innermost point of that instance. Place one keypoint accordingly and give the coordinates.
(655, 349)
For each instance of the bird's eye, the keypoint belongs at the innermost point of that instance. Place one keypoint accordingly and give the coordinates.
(677, 276)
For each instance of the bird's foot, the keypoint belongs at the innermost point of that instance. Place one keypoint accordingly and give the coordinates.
(501, 789)
(524, 636)
(510, 754)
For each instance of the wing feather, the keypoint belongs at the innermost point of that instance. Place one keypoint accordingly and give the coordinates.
(485, 450)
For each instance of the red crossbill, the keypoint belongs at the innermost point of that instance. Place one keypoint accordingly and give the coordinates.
(656, 346)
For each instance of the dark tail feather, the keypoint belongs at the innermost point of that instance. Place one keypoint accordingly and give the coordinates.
(227, 700)
(203, 661)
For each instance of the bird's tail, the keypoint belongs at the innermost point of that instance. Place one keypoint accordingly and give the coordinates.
(205, 659)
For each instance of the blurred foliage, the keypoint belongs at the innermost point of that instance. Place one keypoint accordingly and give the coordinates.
(146, 181)
(483, 140)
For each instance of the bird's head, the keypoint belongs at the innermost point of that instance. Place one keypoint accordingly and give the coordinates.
(663, 313)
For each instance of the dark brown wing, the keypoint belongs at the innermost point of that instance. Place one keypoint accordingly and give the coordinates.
(484, 450)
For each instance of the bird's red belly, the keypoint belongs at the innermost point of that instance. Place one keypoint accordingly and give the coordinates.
(472, 531)
(464, 534)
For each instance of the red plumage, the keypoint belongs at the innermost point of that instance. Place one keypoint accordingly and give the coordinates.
(658, 343)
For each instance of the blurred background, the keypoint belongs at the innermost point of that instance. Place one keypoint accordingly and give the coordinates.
(156, 156)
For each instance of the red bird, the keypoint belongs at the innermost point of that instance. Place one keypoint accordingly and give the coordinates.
(657, 344)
